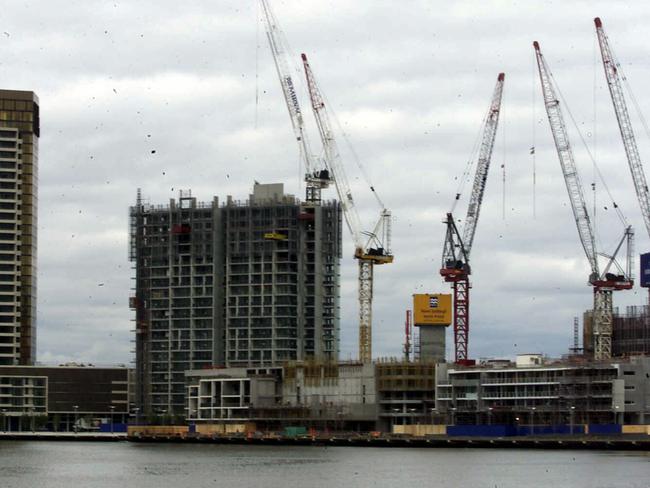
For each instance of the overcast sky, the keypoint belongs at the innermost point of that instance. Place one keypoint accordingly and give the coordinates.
(409, 81)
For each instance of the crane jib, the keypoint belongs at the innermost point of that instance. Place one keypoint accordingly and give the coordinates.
(292, 93)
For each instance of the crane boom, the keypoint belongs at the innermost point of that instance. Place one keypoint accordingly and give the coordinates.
(455, 254)
(377, 248)
(611, 66)
(567, 162)
(315, 179)
(485, 155)
(333, 157)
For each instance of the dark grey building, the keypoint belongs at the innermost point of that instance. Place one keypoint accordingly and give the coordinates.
(251, 283)
(62, 396)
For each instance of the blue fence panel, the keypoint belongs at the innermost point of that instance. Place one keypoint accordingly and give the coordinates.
(605, 429)
(526, 430)
(481, 430)
(550, 429)
(116, 428)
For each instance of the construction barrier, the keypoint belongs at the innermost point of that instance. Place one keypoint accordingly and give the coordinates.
(559, 429)
(157, 430)
(604, 429)
(295, 431)
(636, 429)
(421, 430)
(482, 430)
(220, 429)
(112, 428)
(513, 430)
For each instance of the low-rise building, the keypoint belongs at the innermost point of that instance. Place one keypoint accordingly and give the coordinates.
(230, 394)
(321, 394)
(62, 397)
(529, 392)
(405, 393)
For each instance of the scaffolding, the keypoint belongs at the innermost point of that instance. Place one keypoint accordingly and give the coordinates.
(630, 332)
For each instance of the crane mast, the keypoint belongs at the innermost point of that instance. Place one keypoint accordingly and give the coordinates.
(315, 179)
(603, 284)
(610, 66)
(456, 250)
(376, 249)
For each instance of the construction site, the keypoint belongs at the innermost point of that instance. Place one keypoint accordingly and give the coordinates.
(238, 317)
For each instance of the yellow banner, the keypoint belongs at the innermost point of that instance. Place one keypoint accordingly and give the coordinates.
(432, 309)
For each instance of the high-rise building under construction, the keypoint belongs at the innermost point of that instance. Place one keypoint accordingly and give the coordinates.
(19, 134)
(251, 284)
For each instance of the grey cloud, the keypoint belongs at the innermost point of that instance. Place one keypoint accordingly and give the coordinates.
(410, 85)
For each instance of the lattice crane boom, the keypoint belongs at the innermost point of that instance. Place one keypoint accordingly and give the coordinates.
(456, 249)
(483, 165)
(315, 178)
(332, 157)
(611, 66)
(377, 248)
(567, 162)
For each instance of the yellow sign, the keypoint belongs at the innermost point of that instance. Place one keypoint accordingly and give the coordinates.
(432, 309)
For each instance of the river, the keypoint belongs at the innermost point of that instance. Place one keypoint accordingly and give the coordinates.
(124, 465)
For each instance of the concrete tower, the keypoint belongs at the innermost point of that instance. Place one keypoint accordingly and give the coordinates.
(241, 283)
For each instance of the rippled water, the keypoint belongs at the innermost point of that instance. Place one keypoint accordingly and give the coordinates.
(122, 465)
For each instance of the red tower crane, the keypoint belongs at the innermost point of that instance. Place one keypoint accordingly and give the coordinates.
(456, 250)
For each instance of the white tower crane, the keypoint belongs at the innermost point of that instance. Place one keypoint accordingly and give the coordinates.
(370, 248)
(315, 178)
(603, 283)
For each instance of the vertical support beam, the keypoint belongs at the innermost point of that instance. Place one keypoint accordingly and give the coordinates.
(365, 310)
(603, 319)
(407, 337)
(461, 317)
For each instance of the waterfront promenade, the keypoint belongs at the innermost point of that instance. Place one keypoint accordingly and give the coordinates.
(608, 442)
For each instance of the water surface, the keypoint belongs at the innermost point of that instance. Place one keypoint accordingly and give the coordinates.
(121, 465)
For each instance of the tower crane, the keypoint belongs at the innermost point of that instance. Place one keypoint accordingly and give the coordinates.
(456, 250)
(611, 67)
(370, 248)
(315, 178)
(603, 283)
